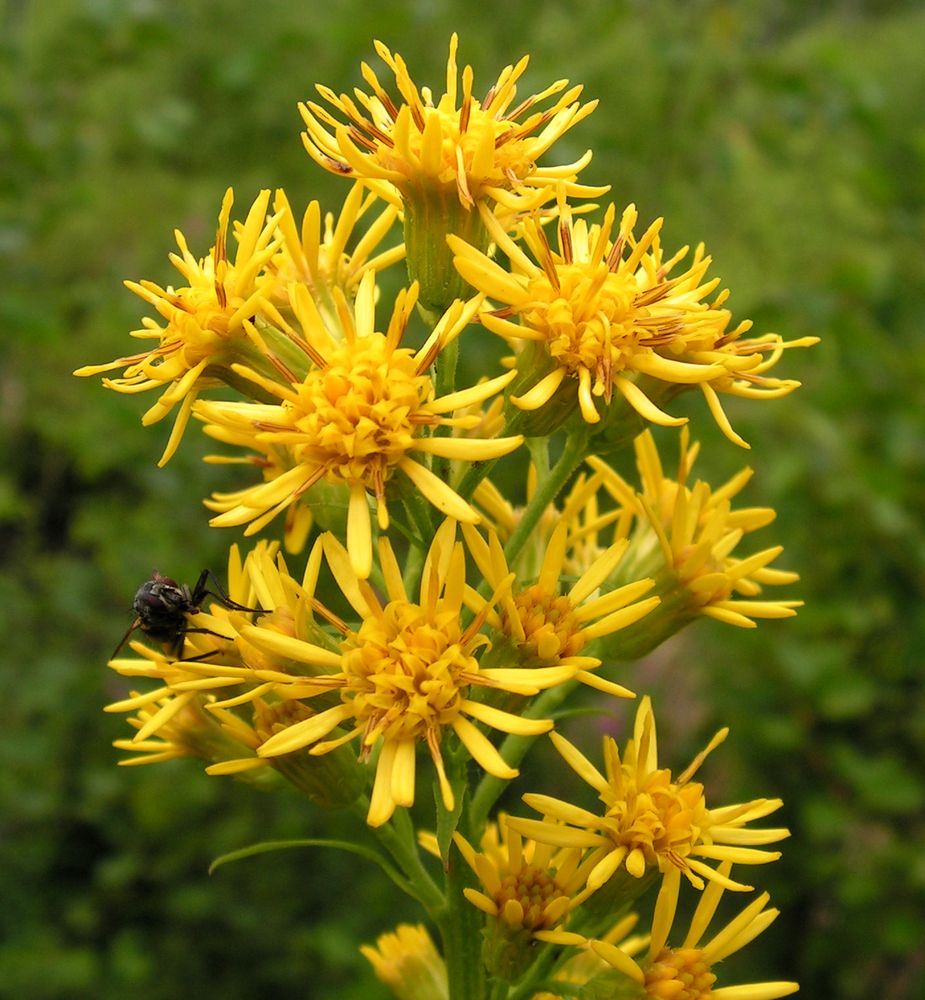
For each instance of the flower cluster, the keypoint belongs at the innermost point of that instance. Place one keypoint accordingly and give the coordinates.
(462, 558)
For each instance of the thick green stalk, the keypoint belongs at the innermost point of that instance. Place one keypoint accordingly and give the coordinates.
(461, 929)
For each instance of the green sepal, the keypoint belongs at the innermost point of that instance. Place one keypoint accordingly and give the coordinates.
(507, 951)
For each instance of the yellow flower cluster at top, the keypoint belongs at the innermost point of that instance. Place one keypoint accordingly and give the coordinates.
(440, 610)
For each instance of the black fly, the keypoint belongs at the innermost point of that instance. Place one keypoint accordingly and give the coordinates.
(162, 608)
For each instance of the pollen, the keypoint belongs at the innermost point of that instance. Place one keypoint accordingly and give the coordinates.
(587, 319)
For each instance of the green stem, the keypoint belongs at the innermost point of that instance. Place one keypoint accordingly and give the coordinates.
(539, 455)
(461, 930)
(413, 566)
(513, 750)
(499, 990)
(477, 471)
(547, 489)
(536, 974)
(445, 381)
(444, 384)
(420, 514)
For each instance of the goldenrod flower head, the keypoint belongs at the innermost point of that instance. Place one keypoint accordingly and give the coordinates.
(354, 420)
(405, 675)
(686, 972)
(527, 890)
(604, 313)
(316, 255)
(477, 149)
(408, 962)
(686, 536)
(525, 885)
(546, 626)
(447, 156)
(651, 821)
(205, 330)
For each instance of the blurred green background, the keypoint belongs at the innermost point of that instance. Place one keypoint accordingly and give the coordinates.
(788, 136)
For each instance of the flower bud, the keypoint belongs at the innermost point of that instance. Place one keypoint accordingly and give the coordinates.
(408, 962)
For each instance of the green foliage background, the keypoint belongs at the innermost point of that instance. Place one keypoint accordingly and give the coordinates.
(787, 136)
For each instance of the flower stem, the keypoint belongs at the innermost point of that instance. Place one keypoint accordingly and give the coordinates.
(547, 489)
(513, 750)
(499, 990)
(461, 929)
(477, 471)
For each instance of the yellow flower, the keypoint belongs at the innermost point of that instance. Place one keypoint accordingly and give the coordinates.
(547, 627)
(476, 149)
(527, 890)
(650, 820)
(687, 970)
(354, 420)
(206, 328)
(686, 537)
(603, 314)
(527, 886)
(408, 962)
(445, 157)
(408, 673)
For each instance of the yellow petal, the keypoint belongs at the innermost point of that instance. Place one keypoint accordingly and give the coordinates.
(482, 750)
(541, 393)
(291, 648)
(437, 492)
(505, 721)
(301, 734)
(644, 406)
(359, 532)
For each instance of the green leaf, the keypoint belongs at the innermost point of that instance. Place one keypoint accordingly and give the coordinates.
(344, 845)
